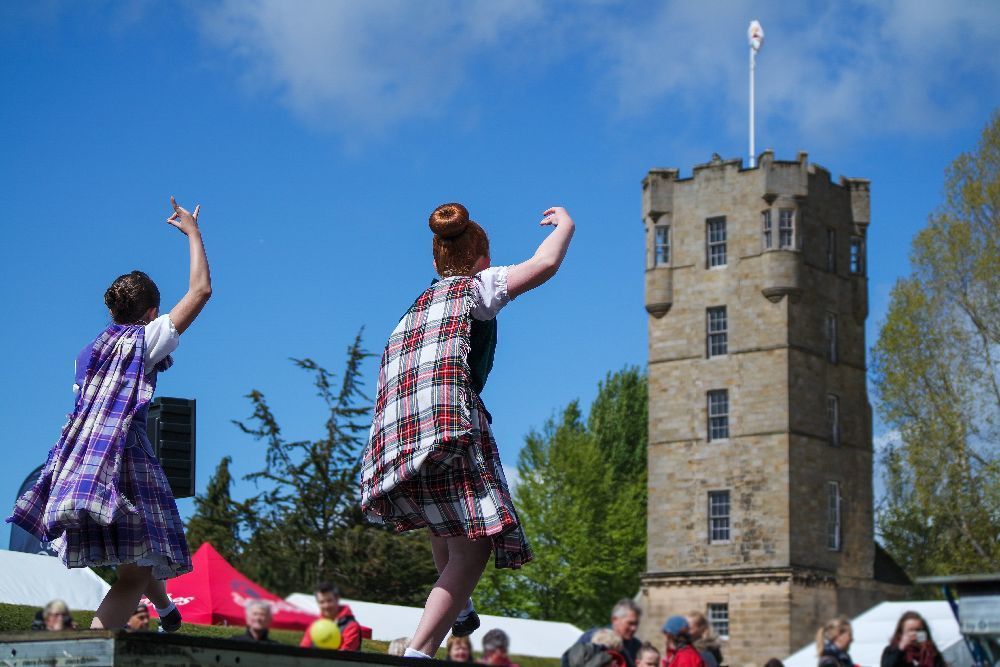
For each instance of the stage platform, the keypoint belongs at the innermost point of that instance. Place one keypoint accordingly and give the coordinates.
(151, 649)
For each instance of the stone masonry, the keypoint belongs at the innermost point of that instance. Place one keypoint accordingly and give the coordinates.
(799, 549)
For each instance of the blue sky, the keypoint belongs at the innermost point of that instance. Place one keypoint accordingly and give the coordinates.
(318, 136)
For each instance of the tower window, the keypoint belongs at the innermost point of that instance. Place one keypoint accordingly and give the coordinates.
(716, 242)
(833, 516)
(833, 419)
(831, 337)
(857, 256)
(662, 250)
(831, 250)
(718, 414)
(718, 335)
(718, 516)
(718, 617)
(786, 228)
(765, 223)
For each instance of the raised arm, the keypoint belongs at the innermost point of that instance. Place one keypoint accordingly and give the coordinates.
(547, 259)
(200, 281)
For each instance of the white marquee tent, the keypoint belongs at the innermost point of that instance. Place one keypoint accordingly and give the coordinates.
(387, 621)
(873, 629)
(34, 579)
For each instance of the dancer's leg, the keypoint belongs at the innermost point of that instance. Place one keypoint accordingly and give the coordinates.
(439, 548)
(123, 598)
(156, 591)
(466, 560)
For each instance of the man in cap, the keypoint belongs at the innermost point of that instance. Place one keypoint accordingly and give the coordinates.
(680, 652)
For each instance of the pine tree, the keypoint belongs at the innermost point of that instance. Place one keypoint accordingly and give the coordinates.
(216, 518)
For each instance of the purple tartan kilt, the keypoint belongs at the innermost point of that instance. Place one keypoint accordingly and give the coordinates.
(152, 535)
(466, 495)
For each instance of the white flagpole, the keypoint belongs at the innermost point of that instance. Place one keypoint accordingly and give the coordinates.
(756, 36)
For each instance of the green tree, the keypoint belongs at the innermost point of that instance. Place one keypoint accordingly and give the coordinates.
(217, 517)
(936, 380)
(582, 498)
(309, 526)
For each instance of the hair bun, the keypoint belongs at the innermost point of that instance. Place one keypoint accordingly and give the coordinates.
(449, 220)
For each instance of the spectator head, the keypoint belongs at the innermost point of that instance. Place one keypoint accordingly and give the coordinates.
(625, 617)
(459, 649)
(328, 599)
(496, 644)
(910, 623)
(56, 615)
(398, 646)
(837, 631)
(677, 629)
(607, 638)
(648, 656)
(258, 615)
(774, 662)
(698, 625)
(139, 620)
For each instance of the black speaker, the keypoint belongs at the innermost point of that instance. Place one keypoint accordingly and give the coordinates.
(171, 428)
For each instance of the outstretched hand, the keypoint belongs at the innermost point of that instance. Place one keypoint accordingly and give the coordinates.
(182, 220)
(555, 216)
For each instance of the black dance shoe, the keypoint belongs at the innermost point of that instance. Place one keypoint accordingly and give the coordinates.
(466, 627)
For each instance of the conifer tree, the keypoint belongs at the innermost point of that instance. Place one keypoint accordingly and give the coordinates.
(216, 518)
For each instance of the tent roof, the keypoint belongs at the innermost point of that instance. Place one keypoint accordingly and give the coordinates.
(388, 621)
(33, 579)
(873, 629)
(215, 593)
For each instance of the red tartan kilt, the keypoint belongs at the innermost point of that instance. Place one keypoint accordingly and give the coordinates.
(464, 496)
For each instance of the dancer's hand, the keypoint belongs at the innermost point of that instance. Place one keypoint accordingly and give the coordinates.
(555, 216)
(182, 220)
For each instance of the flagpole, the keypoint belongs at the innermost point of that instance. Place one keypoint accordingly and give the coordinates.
(753, 66)
(755, 34)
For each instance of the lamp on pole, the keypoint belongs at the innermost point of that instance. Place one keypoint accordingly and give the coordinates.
(756, 36)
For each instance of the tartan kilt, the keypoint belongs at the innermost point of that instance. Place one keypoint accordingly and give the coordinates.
(431, 461)
(150, 533)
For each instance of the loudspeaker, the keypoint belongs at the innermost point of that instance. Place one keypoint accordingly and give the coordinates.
(170, 426)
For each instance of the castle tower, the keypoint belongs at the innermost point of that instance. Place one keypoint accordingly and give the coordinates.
(760, 452)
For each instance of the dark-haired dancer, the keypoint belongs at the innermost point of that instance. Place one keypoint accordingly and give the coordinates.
(431, 460)
(102, 497)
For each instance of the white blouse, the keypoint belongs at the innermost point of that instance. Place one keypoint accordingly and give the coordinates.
(161, 340)
(491, 294)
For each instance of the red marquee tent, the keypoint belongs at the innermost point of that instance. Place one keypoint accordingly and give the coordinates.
(215, 593)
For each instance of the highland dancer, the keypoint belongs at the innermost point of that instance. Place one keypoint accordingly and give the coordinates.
(102, 497)
(431, 460)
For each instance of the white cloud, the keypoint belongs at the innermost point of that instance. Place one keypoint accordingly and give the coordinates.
(362, 65)
(832, 72)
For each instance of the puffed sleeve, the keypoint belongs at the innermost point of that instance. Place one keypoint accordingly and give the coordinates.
(491, 293)
(161, 340)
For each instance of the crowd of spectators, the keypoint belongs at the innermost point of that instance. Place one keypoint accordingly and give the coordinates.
(688, 640)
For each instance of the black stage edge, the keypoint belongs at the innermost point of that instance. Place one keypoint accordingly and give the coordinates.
(97, 648)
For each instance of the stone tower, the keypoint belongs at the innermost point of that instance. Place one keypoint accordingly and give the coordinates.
(760, 451)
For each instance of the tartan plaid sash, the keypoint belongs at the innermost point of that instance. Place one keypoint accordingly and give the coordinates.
(80, 477)
(423, 401)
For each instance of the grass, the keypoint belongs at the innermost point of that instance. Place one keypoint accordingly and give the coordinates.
(17, 618)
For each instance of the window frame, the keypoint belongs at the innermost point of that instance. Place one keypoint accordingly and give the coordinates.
(834, 517)
(856, 263)
(717, 624)
(724, 393)
(725, 520)
(790, 228)
(831, 250)
(658, 246)
(832, 343)
(713, 336)
(833, 419)
(766, 229)
(712, 245)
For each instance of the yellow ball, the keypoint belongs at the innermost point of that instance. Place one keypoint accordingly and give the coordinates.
(325, 634)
